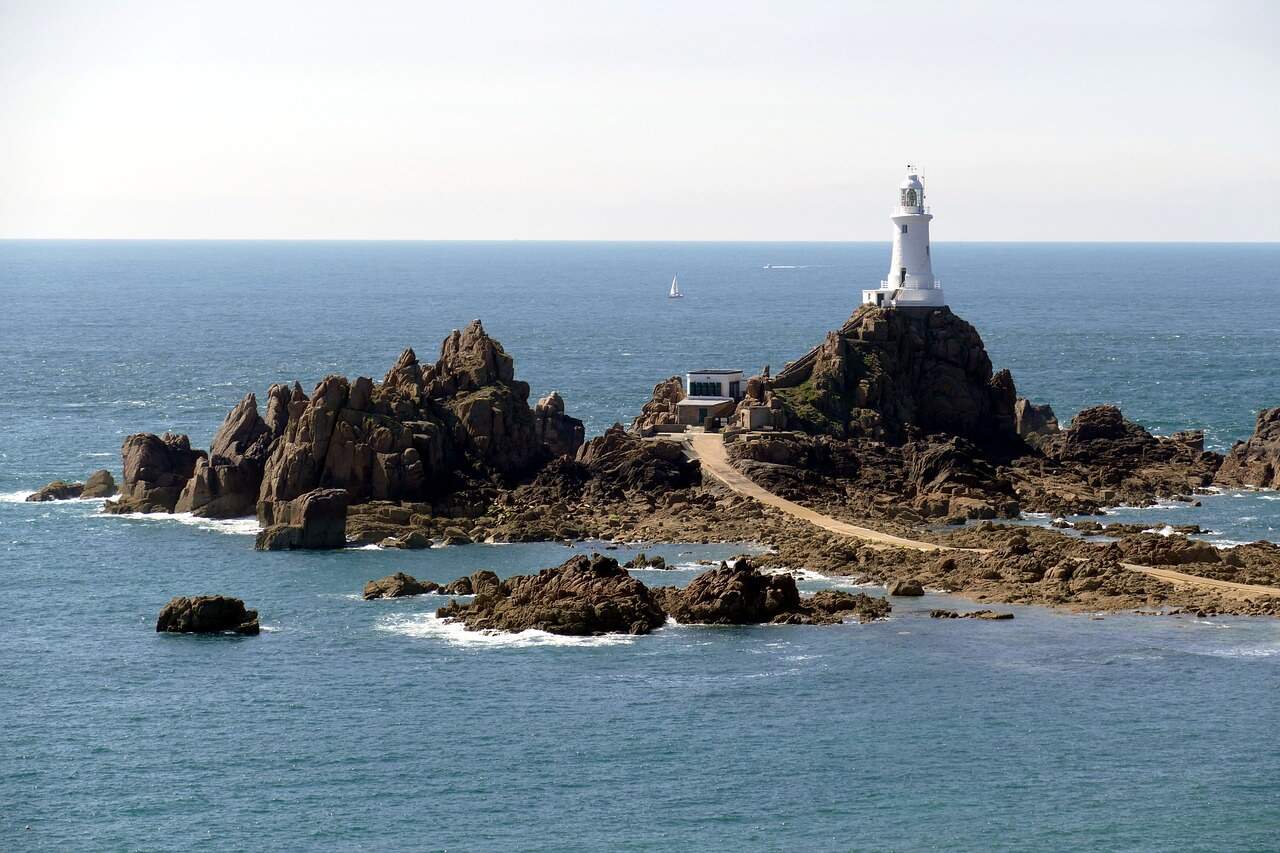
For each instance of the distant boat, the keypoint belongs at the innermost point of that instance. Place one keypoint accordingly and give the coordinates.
(675, 288)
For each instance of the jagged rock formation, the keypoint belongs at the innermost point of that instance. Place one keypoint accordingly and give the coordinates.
(1103, 459)
(899, 415)
(443, 434)
(156, 468)
(226, 483)
(99, 485)
(424, 431)
(887, 372)
(559, 434)
(1255, 462)
(207, 614)
(315, 520)
(398, 585)
(1033, 421)
(660, 410)
(582, 597)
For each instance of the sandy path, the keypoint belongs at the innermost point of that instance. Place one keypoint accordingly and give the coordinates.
(708, 448)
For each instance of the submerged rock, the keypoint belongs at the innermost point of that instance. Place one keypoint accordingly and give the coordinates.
(207, 614)
(990, 615)
(582, 597)
(398, 585)
(316, 520)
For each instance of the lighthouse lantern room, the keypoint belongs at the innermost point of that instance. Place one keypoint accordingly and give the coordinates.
(910, 283)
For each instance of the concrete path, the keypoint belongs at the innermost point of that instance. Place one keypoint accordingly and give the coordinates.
(708, 448)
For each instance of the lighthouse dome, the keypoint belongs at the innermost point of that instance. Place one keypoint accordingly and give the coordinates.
(911, 194)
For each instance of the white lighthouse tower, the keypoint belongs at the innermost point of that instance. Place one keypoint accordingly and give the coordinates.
(910, 283)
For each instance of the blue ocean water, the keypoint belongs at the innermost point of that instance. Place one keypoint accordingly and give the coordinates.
(353, 724)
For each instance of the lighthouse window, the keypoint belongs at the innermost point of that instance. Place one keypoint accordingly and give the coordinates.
(911, 198)
(904, 229)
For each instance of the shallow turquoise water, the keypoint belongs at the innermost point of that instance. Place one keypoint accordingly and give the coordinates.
(353, 724)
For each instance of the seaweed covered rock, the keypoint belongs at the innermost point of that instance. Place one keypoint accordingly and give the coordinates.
(1255, 462)
(207, 614)
(582, 597)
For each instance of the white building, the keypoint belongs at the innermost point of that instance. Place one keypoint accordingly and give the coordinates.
(910, 283)
(711, 394)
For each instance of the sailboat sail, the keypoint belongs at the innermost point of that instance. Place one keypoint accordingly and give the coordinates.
(675, 288)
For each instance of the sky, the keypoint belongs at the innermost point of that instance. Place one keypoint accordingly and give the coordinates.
(646, 120)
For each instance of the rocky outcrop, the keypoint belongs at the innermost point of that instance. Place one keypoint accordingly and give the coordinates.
(227, 482)
(1151, 549)
(207, 614)
(1033, 421)
(424, 432)
(585, 596)
(739, 594)
(156, 468)
(620, 460)
(58, 490)
(560, 434)
(887, 372)
(99, 485)
(1255, 462)
(398, 585)
(315, 520)
(1102, 459)
(660, 410)
(905, 587)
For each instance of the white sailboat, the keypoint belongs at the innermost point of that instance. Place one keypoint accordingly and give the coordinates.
(675, 288)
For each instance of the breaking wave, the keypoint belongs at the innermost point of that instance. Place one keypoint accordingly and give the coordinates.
(235, 526)
(429, 626)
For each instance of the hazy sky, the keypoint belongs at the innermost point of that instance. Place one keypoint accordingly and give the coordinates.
(647, 120)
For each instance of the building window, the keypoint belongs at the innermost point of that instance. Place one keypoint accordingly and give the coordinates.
(702, 414)
(704, 389)
(904, 229)
(735, 390)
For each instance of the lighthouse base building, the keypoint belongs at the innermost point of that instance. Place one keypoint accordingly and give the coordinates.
(910, 283)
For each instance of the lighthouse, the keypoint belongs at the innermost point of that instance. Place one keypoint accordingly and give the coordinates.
(910, 283)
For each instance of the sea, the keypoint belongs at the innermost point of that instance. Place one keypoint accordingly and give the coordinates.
(354, 725)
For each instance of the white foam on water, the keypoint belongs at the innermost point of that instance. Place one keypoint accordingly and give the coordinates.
(430, 626)
(21, 497)
(1245, 652)
(234, 526)
(1165, 531)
